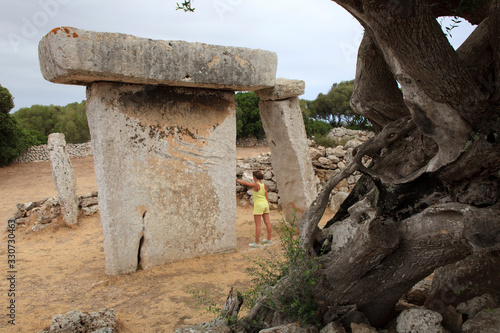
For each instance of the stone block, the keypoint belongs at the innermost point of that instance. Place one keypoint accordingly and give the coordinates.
(75, 56)
(283, 89)
(165, 160)
(284, 126)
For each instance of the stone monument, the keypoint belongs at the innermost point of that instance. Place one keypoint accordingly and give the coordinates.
(162, 121)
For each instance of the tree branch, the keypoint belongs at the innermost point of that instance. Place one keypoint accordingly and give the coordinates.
(376, 95)
(441, 234)
(392, 132)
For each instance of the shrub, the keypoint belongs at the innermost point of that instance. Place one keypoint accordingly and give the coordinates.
(293, 265)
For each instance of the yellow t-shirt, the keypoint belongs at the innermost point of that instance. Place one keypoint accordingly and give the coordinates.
(260, 204)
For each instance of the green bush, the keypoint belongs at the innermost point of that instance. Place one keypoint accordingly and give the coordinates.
(248, 121)
(293, 265)
(290, 263)
(316, 127)
(323, 140)
(13, 139)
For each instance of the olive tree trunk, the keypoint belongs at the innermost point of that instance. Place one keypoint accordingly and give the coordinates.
(430, 196)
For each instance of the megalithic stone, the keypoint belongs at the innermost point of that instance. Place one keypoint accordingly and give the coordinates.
(284, 126)
(64, 177)
(75, 56)
(163, 128)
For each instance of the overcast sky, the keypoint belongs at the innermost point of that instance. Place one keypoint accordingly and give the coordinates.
(315, 40)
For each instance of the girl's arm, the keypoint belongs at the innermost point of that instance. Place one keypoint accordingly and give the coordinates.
(252, 185)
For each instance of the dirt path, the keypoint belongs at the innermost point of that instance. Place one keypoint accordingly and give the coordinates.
(58, 270)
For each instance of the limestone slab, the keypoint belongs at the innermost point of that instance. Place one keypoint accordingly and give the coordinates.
(165, 160)
(284, 126)
(283, 89)
(75, 56)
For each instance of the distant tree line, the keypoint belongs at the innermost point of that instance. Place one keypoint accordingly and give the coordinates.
(42, 120)
(335, 108)
(32, 126)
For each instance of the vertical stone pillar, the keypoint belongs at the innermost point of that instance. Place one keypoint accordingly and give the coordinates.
(64, 177)
(162, 121)
(284, 126)
(165, 160)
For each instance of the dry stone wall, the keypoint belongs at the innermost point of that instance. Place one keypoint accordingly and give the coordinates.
(47, 212)
(41, 153)
(326, 162)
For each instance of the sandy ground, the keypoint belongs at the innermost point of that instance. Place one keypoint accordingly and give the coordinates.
(62, 269)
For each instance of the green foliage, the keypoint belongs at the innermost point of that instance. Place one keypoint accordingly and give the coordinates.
(316, 127)
(13, 139)
(293, 267)
(248, 121)
(186, 6)
(206, 301)
(289, 267)
(323, 140)
(313, 126)
(335, 108)
(6, 101)
(41, 120)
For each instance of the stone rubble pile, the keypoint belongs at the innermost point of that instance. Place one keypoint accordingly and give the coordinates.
(47, 212)
(41, 153)
(103, 321)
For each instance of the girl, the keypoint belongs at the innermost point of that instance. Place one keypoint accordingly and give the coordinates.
(260, 206)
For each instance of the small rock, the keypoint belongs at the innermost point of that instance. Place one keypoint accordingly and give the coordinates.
(486, 321)
(86, 202)
(452, 320)
(273, 197)
(352, 143)
(362, 328)
(39, 227)
(324, 160)
(332, 328)
(291, 328)
(314, 154)
(87, 211)
(419, 320)
(476, 305)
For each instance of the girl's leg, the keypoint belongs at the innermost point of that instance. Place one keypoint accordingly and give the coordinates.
(256, 219)
(267, 222)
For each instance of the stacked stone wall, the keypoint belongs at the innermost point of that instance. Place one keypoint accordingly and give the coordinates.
(326, 163)
(41, 153)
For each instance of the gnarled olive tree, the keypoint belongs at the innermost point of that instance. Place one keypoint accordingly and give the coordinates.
(430, 195)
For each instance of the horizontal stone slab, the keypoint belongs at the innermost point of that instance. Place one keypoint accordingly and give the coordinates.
(283, 89)
(74, 56)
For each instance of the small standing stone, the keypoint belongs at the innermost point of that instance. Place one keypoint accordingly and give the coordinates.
(64, 177)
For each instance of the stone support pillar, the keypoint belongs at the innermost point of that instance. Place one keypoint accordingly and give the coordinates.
(163, 127)
(284, 126)
(64, 177)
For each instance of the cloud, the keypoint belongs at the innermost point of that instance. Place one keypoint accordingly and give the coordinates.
(315, 40)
